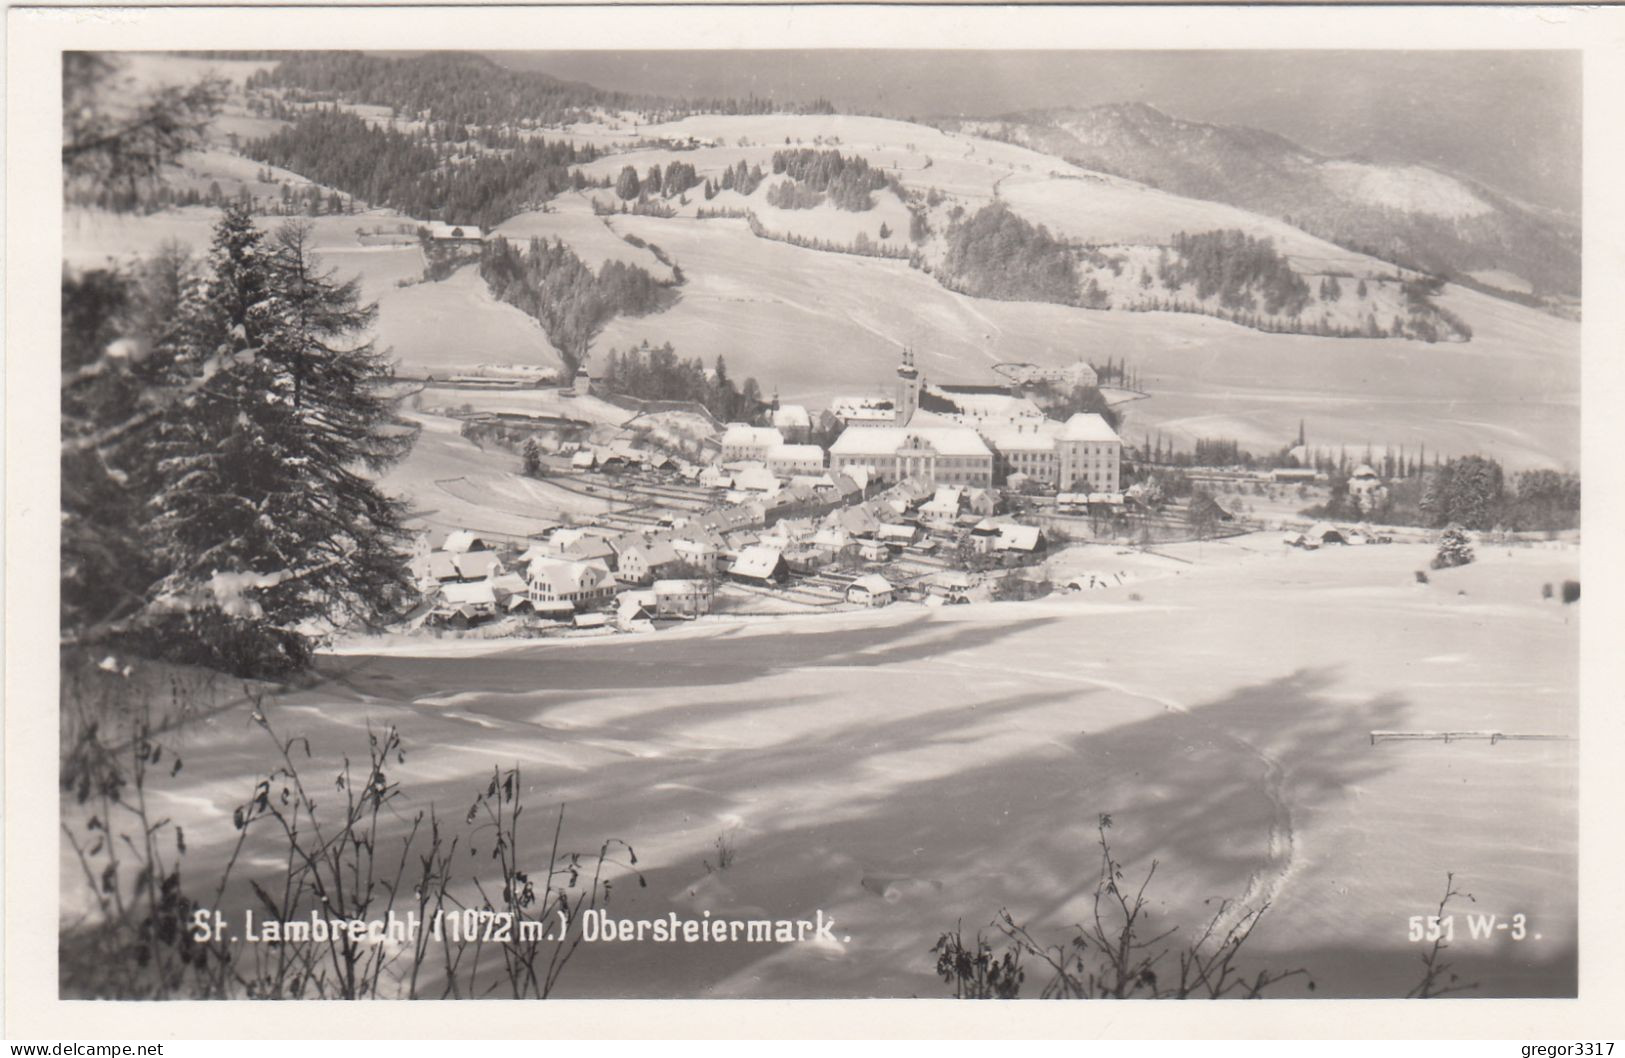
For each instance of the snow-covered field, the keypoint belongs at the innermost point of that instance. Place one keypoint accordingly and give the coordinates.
(818, 325)
(907, 768)
(594, 239)
(451, 483)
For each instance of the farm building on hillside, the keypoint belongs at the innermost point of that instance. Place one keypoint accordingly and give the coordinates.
(442, 232)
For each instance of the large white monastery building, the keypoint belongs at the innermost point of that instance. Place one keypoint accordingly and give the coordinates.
(991, 436)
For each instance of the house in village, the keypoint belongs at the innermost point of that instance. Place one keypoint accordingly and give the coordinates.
(1020, 539)
(855, 521)
(742, 443)
(460, 541)
(701, 550)
(757, 479)
(642, 559)
(681, 598)
(788, 460)
(897, 534)
(833, 539)
(462, 605)
(477, 565)
(759, 564)
(871, 589)
(983, 502)
(715, 478)
(434, 568)
(853, 480)
(581, 584)
(822, 484)
(983, 539)
(953, 585)
(635, 611)
(944, 506)
(873, 550)
(1322, 533)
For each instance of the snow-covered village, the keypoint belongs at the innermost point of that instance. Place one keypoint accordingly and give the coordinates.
(1079, 549)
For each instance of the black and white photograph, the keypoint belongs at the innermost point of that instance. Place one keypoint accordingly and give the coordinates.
(831, 522)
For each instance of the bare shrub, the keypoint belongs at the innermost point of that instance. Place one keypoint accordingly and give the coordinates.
(974, 970)
(353, 856)
(725, 854)
(1438, 978)
(1117, 954)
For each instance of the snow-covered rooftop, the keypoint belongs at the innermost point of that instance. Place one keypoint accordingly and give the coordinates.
(1089, 426)
(886, 440)
(739, 435)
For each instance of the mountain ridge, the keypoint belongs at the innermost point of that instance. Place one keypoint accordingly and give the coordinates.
(1414, 213)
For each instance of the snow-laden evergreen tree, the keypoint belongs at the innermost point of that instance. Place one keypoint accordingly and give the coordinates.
(120, 372)
(1455, 549)
(263, 516)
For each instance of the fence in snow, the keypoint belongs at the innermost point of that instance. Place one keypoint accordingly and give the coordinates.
(1491, 737)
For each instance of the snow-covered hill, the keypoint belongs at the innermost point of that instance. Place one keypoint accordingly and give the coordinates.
(1438, 220)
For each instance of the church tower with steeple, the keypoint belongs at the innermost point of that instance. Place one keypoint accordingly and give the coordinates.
(908, 389)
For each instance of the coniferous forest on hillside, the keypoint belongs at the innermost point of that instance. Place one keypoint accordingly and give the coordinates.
(573, 305)
(472, 90)
(483, 184)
